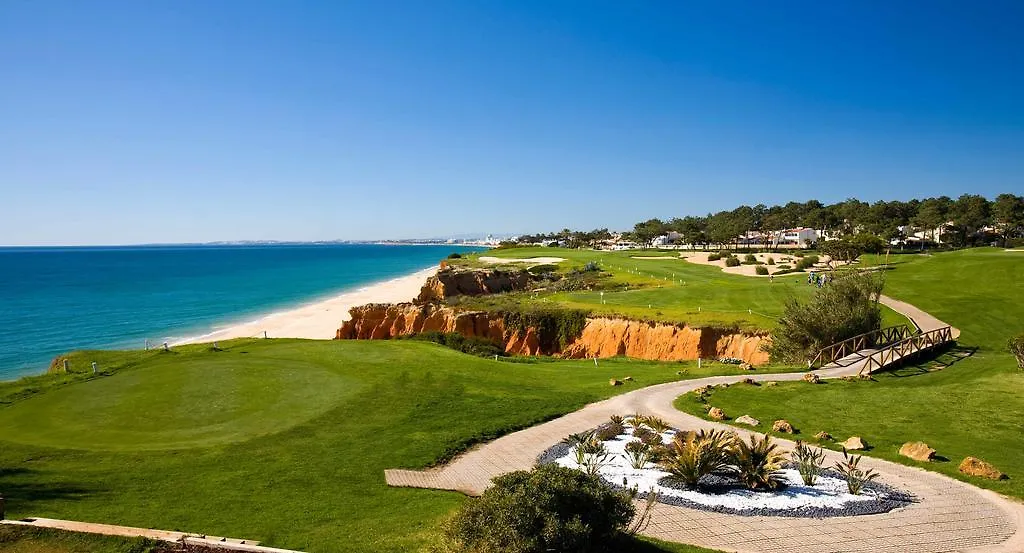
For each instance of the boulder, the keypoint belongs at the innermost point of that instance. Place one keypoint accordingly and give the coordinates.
(823, 436)
(782, 425)
(716, 414)
(750, 381)
(746, 366)
(811, 378)
(747, 419)
(703, 390)
(771, 383)
(627, 379)
(918, 451)
(972, 466)
(614, 382)
(854, 443)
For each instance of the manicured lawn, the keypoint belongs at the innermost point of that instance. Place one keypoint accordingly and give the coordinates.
(672, 290)
(974, 406)
(282, 441)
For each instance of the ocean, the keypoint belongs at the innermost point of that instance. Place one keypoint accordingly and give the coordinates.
(54, 300)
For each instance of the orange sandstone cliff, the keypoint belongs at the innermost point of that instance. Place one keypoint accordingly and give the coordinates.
(601, 337)
(451, 281)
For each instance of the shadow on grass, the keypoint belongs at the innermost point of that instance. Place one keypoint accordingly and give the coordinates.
(935, 360)
(23, 488)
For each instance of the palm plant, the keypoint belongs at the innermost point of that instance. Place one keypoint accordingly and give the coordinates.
(757, 464)
(616, 419)
(855, 477)
(808, 462)
(595, 455)
(698, 455)
(638, 453)
(656, 424)
(636, 420)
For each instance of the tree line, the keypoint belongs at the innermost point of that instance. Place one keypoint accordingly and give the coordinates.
(960, 222)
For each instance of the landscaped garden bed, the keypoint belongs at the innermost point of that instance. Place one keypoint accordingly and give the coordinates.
(718, 471)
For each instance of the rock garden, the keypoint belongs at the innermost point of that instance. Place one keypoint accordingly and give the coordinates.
(719, 471)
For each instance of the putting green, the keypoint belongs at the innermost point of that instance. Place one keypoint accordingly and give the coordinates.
(211, 400)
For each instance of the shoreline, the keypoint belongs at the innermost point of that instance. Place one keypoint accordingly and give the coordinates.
(320, 319)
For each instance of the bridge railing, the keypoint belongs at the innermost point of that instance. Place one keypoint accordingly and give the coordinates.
(907, 348)
(839, 350)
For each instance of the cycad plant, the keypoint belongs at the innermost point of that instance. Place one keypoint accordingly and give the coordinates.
(636, 420)
(698, 455)
(808, 462)
(595, 456)
(757, 464)
(638, 453)
(656, 424)
(855, 477)
(616, 419)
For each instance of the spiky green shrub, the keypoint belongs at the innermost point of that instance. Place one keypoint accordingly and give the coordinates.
(698, 455)
(750, 259)
(855, 477)
(808, 462)
(732, 262)
(761, 270)
(657, 424)
(617, 419)
(843, 309)
(610, 431)
(757, 465)
(714, 257)
(637, 420)
(638, 453)
(550, 508)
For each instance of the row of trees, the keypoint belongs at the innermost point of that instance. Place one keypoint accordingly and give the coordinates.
(959, 221)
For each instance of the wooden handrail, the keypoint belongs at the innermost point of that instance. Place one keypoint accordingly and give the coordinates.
(907, 348)
(838, 350)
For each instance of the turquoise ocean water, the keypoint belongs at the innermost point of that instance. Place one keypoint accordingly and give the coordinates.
(54, 300)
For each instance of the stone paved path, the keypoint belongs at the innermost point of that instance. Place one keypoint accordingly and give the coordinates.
(950, 516)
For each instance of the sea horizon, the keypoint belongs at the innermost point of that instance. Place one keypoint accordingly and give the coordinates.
(55, 299)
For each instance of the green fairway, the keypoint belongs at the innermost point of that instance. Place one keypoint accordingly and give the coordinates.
(670, 290)
(973, 406)
(282, 441)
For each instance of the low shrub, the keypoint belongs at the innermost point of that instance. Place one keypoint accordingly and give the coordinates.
(798, 254)
(590, 267)
(808, 462)
(697, 455)
(771, 261)
(714, 257)
(750, 259)
(807, 262)
(610, 431)
(855, 477)
(757, 465)
(732, 262)
(1016, 345)
(638, 453)
(473, 345)
(550, 508)
(454, 255)
(542, 269)
(761, 270)
(784, 267)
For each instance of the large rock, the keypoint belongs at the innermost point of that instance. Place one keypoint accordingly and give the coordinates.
(823, 436)
(918, 451)
(972, 466)
(812, 378)
(783, 426)
(716, 414)
(854, 443)
(747, 419)
(615, 382)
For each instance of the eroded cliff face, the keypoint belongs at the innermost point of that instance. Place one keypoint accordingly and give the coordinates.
(471, 282)
(601, 337)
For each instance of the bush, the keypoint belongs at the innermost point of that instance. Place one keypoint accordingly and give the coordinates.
(732, 262)
(550, 508)
(714, 257)
(761, 270)
(784, 267)
(555, 327)
(806, 262)
(843, 309)
(610, 431)
(750, 259)
(454, 255)
(542, 269)
(757, 464)
(855, 477)
(473, 345)
(697, 455)
(808, 462)
(591, 266)
(771, 261)
(1016, 346)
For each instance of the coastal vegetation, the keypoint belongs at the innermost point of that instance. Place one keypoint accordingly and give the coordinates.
(965, 402)
(283, 441)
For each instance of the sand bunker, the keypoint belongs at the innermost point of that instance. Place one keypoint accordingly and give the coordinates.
(701, 258)
(504, 260)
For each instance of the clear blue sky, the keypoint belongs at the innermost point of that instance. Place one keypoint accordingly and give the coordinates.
(147, 121)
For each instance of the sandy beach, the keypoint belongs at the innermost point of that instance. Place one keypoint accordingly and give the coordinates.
(320, 320)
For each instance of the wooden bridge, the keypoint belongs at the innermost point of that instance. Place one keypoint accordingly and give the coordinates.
(854, 349)
(906, 349)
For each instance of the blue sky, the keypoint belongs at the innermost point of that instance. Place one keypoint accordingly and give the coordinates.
(135, 122)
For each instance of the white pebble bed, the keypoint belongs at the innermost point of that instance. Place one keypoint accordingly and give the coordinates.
(828, 492)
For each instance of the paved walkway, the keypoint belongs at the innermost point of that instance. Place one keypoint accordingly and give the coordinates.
(950, 516)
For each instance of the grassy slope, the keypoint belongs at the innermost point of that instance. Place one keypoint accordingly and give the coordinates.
(673, 290)
(19, 539)
(973, 407)
(255, 469)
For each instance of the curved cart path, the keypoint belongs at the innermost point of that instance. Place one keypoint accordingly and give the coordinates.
(949, 516)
